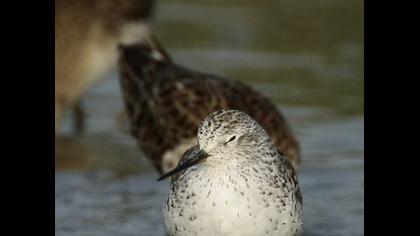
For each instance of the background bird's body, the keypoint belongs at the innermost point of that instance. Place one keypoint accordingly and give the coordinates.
(87, 33)
(166, 102)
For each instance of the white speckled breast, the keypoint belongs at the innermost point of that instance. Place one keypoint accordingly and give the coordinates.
(230, 201)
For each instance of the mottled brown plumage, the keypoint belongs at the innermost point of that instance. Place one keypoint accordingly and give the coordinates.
(166, 102)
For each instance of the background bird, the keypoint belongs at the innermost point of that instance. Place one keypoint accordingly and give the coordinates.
(165, 103)
(87, 33)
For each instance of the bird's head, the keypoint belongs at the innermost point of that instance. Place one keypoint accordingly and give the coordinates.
(223, 134)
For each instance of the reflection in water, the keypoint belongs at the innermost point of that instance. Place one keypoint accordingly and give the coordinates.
(307, 56)
(65, 150)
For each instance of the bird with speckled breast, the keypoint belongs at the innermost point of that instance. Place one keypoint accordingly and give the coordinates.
(234, 182)
(165, 103)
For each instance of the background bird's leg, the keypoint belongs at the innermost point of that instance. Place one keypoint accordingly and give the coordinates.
(78, 117)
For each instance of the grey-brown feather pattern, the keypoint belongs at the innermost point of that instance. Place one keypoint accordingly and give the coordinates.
(242, 173)
(166, 103)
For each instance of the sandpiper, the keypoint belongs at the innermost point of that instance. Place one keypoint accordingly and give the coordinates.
(165, 103)
(87, 33)
(234, 182)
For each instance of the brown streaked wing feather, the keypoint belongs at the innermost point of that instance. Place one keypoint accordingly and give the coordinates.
(189, 99)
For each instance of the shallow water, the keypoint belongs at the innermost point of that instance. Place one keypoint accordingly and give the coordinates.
(306, 56)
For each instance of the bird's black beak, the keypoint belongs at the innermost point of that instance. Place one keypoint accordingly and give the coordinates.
(199, 156)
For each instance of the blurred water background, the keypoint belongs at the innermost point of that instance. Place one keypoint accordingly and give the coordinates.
(305, 55)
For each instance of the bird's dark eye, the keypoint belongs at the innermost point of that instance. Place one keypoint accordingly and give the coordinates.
(231, 139)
